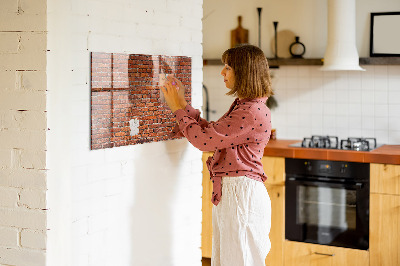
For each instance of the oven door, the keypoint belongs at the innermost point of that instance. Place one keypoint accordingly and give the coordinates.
(327, 213)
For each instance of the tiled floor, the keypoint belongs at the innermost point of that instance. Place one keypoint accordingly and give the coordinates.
(206, 261)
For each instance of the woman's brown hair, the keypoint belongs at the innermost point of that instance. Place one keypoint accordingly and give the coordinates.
(250, 66)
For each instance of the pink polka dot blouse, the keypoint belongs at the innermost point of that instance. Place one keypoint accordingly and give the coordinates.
(238, 139)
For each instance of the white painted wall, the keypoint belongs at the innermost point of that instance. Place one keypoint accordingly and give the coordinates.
(23, 133)
(345, 103)
(306, 18)
(134, 205)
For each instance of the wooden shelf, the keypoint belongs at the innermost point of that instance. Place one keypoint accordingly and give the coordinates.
(380, 61)
(274, 63)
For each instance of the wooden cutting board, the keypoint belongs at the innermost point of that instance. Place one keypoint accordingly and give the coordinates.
(239, 35)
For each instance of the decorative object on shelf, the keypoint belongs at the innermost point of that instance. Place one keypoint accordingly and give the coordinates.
(271, 103)
(259, 9)
(273, 134)
(276, 38)
(285, 39)
(297, 49)
(383, 40)
(239, 35)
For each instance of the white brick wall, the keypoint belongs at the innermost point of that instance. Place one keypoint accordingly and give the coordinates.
(135, 205)
(33, 239)
(22, 132)
(9, 237)
(8, 197)
(109, 207)
(11, 256)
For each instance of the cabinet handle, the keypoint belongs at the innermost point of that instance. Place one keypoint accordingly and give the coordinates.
(324, 254)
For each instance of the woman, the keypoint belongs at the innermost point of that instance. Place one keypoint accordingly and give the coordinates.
(242, 208)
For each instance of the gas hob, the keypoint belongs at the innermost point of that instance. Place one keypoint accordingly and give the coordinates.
(332, 142)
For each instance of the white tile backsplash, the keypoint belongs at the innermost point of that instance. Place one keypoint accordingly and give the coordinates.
(381, 97)
(292, 82)
(343, 96)
(394, 124)
(381, 71)
(394, 82)
(381, 83)
(367, 97)
(394, 110)
(381, 110)
(343, 103)
(314, 102)
(329, 109)
(394, 97)
(304, 82)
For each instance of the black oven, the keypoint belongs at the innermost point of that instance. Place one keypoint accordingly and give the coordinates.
(327, 202)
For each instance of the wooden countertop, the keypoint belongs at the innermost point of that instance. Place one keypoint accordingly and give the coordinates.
(389, 154)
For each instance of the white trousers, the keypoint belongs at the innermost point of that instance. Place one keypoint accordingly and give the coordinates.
(241, 223)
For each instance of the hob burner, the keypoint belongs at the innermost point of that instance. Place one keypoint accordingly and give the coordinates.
(358, 144)
(328, 142)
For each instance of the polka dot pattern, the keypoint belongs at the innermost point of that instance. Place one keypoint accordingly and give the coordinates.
(238, 139)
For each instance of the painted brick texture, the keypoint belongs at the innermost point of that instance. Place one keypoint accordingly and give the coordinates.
(23, 215)
(124, 91)
(126, 204)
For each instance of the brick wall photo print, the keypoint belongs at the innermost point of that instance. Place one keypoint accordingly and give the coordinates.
(126, 107)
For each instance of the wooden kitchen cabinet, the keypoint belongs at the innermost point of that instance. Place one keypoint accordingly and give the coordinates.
(385, 215)
(385, 178)
(277, 233)
(384, 236)
(206, 225)
(305, 254)
(274, 168)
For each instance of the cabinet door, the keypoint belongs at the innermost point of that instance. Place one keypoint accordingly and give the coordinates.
(304, 254)
(206, 226)
(277, 233)
(385, 178)
(274, 168)
(384, 230)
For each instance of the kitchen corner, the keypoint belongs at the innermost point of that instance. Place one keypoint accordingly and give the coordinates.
(330, 206)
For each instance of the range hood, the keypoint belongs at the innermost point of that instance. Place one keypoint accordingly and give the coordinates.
(341, 51)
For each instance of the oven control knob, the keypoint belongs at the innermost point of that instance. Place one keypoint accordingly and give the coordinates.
(308, 166)
(343, 168)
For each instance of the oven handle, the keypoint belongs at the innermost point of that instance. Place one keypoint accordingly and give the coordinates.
(357, 185)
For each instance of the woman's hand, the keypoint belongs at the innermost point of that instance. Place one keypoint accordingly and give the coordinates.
(173, 91)
(181, 89)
